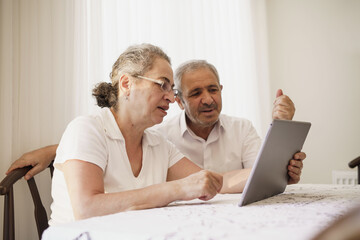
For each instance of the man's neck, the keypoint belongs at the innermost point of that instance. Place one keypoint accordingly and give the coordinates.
(200, 131)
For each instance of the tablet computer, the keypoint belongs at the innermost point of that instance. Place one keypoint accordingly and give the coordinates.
(269, 176)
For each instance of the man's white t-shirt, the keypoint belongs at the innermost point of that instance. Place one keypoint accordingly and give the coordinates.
(232, 144)
(97, 139)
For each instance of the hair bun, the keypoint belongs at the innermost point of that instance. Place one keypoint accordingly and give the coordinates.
(105, 94)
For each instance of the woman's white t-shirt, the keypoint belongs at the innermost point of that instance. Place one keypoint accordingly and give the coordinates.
(97, 139)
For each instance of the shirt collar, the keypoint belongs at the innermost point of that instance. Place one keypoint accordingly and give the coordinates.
(183, 126)
(221, 122)
(112, 130)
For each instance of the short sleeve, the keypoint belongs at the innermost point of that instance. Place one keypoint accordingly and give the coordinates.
(174, 154)
(83, 139)
(251, 147)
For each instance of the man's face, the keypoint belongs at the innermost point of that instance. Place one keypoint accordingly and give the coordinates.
(201, 97)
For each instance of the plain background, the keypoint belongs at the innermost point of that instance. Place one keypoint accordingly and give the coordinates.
(314, 55)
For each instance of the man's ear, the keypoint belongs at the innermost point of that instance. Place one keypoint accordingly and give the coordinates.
(179, 102)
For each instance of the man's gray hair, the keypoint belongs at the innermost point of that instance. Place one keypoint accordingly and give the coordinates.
(190, 66)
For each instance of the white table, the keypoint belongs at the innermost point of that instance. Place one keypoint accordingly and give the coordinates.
(299, 213)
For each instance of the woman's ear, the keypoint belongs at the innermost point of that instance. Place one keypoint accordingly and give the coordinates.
(124, 84)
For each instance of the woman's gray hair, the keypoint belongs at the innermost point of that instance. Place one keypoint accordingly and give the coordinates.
(190, 66)
(135, 61)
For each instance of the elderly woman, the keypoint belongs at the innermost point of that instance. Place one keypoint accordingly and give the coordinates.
(111, 162)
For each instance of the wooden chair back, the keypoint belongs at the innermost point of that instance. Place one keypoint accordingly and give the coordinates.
(6, 189)
(356, 163)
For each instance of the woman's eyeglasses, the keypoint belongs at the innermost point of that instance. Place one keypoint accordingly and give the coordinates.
(165, 85)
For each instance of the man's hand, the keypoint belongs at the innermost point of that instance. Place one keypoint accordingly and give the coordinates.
(283, 107)
(295, 166)
(39, 159)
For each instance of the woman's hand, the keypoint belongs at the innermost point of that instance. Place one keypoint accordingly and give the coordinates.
(203, 185)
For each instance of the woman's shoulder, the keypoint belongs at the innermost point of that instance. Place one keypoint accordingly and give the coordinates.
(86, 123)
(89, 120)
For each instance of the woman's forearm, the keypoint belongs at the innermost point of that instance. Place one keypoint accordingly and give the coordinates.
(158, 195)
(85, 186)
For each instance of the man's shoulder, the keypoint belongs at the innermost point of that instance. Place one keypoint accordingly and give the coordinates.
(170, 129)
(237, 127)
(171, 121)
(168, 124)
(227, 120)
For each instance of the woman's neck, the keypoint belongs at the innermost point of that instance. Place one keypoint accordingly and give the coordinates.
(131, 131)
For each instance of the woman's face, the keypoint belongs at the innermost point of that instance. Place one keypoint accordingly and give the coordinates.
(149, 101)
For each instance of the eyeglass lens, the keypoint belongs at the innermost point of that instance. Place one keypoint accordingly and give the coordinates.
(166, 86)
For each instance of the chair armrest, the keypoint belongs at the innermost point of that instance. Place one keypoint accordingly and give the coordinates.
(11, 178)
(355, 162)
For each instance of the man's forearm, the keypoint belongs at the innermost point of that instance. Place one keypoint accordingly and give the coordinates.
(234, 181)
(49, 152)
(39, 159)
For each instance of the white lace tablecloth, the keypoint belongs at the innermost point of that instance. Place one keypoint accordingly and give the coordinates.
(299, 213)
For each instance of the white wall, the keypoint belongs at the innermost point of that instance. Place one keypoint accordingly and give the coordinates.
(314, 55)
(34, 84)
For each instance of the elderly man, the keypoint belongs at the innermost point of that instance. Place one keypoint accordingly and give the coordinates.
(212, 140)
